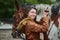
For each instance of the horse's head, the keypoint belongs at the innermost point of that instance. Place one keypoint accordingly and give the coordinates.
(19, 13)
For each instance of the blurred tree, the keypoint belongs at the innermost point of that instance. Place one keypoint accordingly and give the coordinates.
(45, 1)
(7, 6)
(32, 1)
(58, 0)
(39, 1)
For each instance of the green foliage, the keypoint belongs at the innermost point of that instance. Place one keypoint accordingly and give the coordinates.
(58, 0)
(32, 1)
(39, 1)
(7, 6)
(45, 1)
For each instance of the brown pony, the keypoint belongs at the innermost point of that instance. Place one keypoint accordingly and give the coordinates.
(18, 16)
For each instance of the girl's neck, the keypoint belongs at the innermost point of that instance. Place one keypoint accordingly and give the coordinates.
(30, 18)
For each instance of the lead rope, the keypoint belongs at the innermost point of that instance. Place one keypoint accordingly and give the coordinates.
(50, 28)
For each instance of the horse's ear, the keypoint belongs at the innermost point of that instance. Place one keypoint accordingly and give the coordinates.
(17, 5)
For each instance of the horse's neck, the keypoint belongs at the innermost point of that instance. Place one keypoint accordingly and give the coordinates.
(38, 17)
(56, 23)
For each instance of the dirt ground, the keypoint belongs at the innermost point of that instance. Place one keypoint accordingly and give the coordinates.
(6, 35)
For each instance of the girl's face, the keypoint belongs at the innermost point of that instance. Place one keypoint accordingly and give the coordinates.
(32, 13)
